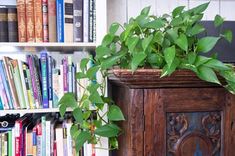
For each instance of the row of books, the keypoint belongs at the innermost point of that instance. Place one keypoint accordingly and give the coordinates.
(49, 21)
(40, 135)
(37, 82)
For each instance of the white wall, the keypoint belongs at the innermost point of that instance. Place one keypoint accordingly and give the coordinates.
(122, 10)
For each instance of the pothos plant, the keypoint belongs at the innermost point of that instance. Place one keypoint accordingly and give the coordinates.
(169, 42)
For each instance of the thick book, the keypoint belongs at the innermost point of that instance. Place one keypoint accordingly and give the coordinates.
(68, 20)
(38, 20)
(7, 65)
(12, 24)
(45, 20)
(78, 20)
(6, 85)
(44, 73)
(52, 20)
(18, 83)
(3, 25)
(22, 35)
(60, 20)
(85, 20)
(30, 30)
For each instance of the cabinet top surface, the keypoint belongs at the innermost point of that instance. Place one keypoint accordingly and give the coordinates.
(151, 78)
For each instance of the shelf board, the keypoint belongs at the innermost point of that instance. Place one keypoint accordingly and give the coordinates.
(63, 47)
(24, 111)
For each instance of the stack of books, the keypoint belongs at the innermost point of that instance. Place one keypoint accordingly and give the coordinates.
(40, 135)
(38, 82)
(48, 21)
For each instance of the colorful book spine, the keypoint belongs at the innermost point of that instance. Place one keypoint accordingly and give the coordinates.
(9, 150)
(52, 20)
(37, 75)
(74, 79)
(35, 140)
(39, 140)
(90, 21)
(85, 20)
(7, 65)
(6, 85)
(45, 20)
(30, 91)
(3, 25)
(70, 78)
(43, 123)
(1, 104)
(32, 74)
(30, 21)
(94, 21)
(78, 20)
(68, 20)
(60, 20)
(45, 85)
(22, 78)
(18, 83)
(48, 137)
(3, 95)
(18, 137)
(38, 20)
(65, 74)
(21, 21)
(56, 87)
(12, 25)
(50, 84)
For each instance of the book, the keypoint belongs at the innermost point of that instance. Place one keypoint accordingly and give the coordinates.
(78, 20)
(12, 24)
(60, 20)
(7, 65)
(52, 20)
(68, 20)
(38, 20)
(50, 83)
(3, 25)
(56, 87)
(29, 89)
(85, 20)
(9, 143)
(90, 27)
(39, 139)
(45, 20)
(6, 85)
(45, 85)
(59, 140)
(18, 83)
(30, 30)
(21, 21)
(4, 100)
(65, 74)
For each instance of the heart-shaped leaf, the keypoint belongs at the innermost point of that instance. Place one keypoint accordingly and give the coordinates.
(206, 44)
(115, 113)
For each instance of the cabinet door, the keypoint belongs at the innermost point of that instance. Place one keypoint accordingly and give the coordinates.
(189, 122)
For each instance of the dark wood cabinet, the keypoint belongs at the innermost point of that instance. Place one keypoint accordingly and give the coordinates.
(178, 115)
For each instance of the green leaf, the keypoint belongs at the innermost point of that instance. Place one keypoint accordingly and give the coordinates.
(228, 75)
(200, 8)
(228, 35)
(146, 42)
(192, 57)
(145, 11)
(80, 75)
(77, 114)
(91, 72)
(173, 34)
(110, 61)
(196, 29)
(83, 63)
(86, 115)
(158, 37)
(218, 20)
(62, 109)
(137, 59)
(102, 51)
(74, 131)
(207, 74)
(132, 42)
(177, 21)
(113, 143)
(107, 40)
(68, 100)
(115, 113)
(155, 24)
(177, 10)
(95, 97)
(113, 28)
(81, 139)
(155, 59)
(169, 55)
(206, 44)
(216, 64)
(108, 130)
(98, 123)
(182, 42)
(201, 60)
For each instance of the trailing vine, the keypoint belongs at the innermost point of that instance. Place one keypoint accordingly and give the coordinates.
(168, 42)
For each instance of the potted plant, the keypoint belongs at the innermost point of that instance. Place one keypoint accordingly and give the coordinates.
(169, 43)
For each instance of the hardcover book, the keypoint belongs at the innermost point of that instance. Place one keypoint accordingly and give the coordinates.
(30, 21)
(3, 25)
(60, 20)
(45, 20)
(12, 25)
(52, 20)
(21, 21)
(68, 20)
(78, 20)
(38, 20)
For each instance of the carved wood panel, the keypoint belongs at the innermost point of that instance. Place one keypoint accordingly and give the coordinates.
(194, 134)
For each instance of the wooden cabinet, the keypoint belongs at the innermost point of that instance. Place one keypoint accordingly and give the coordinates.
(178, 115)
